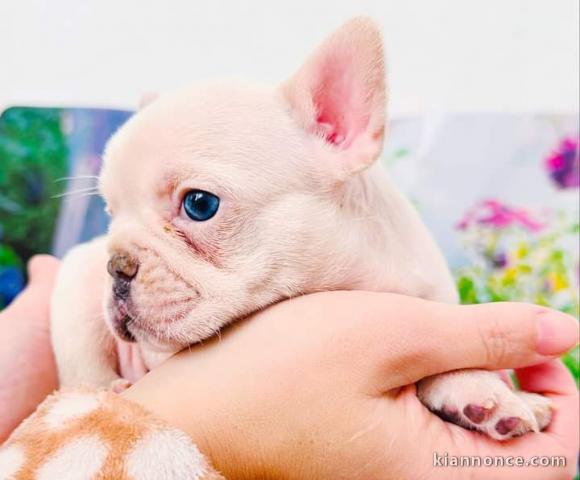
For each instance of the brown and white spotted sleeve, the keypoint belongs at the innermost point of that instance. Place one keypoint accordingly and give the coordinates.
(86, 435)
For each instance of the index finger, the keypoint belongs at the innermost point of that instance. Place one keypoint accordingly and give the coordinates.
(554, 380)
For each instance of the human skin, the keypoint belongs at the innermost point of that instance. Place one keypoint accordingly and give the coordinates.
(27, 366)
(315, 387)
(320, 387)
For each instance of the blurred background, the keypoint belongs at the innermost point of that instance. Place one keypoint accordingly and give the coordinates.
(484, 100)
(458, 55)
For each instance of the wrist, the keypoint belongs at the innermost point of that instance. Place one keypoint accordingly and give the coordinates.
(193, 408)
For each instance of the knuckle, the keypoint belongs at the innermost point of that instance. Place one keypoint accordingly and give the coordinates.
(495, 339)
(508, 334)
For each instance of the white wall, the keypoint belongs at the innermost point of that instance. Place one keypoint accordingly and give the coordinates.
(443, 55)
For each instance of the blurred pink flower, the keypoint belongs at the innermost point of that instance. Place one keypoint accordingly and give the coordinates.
(563, 164)
(497, 215)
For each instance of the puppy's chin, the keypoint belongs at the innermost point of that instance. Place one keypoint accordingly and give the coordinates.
(153, 342)
(128, 325)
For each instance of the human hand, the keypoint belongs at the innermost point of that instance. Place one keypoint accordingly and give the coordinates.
(27, 367)
(316, 387)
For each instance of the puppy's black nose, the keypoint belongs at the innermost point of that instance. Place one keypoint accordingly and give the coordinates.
(123, 268)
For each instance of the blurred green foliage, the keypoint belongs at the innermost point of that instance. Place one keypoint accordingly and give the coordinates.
(33, 153)
(516, 264)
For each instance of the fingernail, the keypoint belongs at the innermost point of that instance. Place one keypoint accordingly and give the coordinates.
(557, 333)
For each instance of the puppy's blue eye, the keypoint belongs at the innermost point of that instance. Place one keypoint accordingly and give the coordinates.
(199, 205)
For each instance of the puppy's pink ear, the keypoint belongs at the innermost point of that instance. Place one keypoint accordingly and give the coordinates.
(339, 94)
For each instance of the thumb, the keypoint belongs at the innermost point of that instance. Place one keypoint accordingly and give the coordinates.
(42, 270)
(440, 338)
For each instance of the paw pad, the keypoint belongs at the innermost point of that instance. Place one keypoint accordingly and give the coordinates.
(479, 413)
(119, 385)
(506, 425)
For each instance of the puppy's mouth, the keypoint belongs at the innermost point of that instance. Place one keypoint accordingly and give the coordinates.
(122, 321)
(127, 327)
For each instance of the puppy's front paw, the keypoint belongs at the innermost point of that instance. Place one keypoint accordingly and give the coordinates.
(480, 400)
(119, 385)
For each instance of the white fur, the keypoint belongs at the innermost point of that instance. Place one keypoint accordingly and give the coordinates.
(82, 343)
(303, 209)
(165, 454)
(11, 460)
(70, 406)
(80, 459)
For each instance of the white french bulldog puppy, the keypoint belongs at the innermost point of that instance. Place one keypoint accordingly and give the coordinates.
(226, 198)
